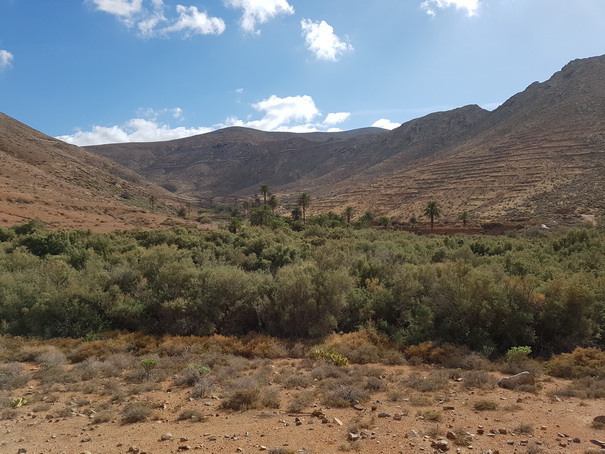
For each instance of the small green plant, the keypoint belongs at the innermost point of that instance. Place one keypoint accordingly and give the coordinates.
(17, 402)
(199, 368)
(518, 354)
(330, 356)
(149, 364)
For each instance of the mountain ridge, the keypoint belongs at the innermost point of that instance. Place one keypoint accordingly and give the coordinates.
(534, 156)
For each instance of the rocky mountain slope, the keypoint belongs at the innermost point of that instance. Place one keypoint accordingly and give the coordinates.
(66, 186)
(539, 156)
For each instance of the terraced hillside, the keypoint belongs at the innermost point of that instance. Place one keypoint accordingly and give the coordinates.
(539, 157)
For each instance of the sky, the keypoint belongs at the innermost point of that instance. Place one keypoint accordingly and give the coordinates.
(103, 71)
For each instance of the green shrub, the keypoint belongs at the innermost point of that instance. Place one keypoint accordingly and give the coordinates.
(332, 357)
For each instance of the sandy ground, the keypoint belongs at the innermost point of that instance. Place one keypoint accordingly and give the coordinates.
(556, 425)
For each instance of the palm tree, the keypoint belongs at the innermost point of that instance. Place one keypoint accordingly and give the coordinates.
(384, 221)
(234, 225)
(273, 202)
(432, 211)
(349, 214)
(264, 190)
(464, 217)
(303, 202)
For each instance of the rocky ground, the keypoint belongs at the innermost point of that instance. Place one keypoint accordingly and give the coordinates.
(393, 409)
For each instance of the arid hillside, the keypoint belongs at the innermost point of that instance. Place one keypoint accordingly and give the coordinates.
(67, 187)
(539, 157)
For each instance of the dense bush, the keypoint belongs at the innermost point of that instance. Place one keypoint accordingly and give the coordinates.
(546, 292)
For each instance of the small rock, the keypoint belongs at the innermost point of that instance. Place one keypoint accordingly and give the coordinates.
(239, 450)
(167, 436)
(599, 419)
(598, 443)
(576, 440)
(353, 437)
(412, 434)
(384, 415)
(21, 451)
(397, 416)
(184, 448)
(450, 435)
(448, 407)
(358, 407)
(441, 445)
(262, 448)
(338, 421)
(502, 431)
(523, 378)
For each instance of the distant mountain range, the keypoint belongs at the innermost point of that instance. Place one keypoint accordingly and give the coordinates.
(541, 154)
(539, 157)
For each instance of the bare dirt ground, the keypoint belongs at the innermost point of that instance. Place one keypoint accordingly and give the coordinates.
(89, 416)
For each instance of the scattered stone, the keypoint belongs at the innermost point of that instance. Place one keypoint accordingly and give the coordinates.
(441, 445)
(262, 448)
(353, 437)
(184, 448)
(599, 419)
(502, 431)
(412, 434)
(134, 449)
(450, 435)
(21, 451)
(338, 421)
(576, 440)
(598, 443)
(397, 416)
(523, 378)
(448, 407)
(239, 450)
(384, 415)
(318, 414)
(359, 407)
(167, 436)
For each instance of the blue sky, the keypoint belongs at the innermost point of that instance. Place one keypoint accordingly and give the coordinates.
(99, 71)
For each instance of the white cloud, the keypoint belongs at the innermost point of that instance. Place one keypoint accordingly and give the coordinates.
(192, 21)
(259, 11)
(135, 130)
(147, 27)
(151, 15)
(385, 124)
(322, 41)
(5, 58)
(122, 8)
(292, 114)
(335, 118)
(471, 6)
(284, 112)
